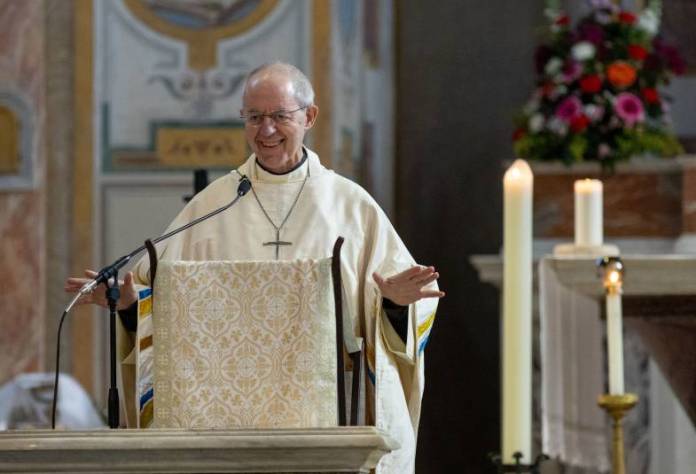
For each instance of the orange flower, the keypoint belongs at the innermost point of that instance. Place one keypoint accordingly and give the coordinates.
(621, 74)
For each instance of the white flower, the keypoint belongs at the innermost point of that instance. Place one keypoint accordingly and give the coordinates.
(532, 106)
(649, 22)
(553, 66)
(557, 126)
(552, 13)
(583, 51)
(536, 123)
(594, 112)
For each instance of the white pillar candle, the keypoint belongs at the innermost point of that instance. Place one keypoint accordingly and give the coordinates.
(517, 312)
(588, 213)
(615, 335)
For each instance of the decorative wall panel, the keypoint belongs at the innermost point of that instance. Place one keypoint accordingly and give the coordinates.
(169, 77)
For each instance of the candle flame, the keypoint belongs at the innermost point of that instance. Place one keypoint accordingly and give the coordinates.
(614, 277)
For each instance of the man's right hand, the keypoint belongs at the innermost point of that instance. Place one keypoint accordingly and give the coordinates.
(129, 294)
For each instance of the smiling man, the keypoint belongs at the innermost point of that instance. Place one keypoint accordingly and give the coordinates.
(280, 94)
(296, 210)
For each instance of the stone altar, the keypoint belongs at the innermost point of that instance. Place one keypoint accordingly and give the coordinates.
(660, 308)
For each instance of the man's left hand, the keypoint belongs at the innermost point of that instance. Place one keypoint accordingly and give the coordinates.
(409, 286)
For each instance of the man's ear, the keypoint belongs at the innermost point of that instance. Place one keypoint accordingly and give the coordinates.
(311, 114)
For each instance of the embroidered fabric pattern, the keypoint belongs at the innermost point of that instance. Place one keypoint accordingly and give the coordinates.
(244, 344)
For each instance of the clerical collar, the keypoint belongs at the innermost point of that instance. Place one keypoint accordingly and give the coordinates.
(297, 166)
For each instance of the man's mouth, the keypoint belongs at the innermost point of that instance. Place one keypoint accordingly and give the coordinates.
(272, 144)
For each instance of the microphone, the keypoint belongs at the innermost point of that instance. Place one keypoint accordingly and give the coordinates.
(103, 276)
(111, 270)
(244, 186)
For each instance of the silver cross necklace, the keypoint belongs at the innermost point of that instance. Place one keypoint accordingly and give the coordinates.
(278, 243)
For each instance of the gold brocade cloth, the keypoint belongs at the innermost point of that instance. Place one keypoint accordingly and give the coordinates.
(244, 344)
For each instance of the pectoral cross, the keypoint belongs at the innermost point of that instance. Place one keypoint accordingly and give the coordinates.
(277, 243)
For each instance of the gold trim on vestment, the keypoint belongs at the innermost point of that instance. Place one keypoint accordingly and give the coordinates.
(425, 325)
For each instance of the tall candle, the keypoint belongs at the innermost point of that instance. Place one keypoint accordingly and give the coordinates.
(517, 312)
(614, 333)
(588, 212)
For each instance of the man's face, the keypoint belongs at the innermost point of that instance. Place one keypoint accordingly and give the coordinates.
(276, 143)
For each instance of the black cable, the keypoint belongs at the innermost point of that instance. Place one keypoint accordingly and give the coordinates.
(55, 383)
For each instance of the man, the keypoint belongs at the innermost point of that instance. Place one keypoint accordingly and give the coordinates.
(297, 209)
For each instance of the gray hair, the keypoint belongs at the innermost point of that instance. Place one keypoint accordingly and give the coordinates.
(304, 92)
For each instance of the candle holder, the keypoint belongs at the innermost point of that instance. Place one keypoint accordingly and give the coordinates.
(518, 467)
(617, 406)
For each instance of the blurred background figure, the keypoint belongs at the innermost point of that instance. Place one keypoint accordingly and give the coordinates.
(25, 403)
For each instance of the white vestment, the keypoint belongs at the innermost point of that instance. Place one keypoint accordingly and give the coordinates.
(329, 206)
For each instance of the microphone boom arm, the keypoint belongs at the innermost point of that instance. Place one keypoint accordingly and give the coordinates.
(110, 271)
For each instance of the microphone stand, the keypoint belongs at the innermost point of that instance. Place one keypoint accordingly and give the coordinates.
(112, 295)
(110, 272)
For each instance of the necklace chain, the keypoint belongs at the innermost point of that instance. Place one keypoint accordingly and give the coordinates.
(292, 208)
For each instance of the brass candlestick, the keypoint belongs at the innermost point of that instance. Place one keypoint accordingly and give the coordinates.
(617, 406)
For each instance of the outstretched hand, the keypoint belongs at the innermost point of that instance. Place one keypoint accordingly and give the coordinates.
(409, 286)
(129, 294)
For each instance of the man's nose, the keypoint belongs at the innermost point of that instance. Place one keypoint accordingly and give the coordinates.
(268, 126)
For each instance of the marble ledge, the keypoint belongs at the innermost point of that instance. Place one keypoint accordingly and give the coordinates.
(339, 449)
(635, 165)
(645, 275)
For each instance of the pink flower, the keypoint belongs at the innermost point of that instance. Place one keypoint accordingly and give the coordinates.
(569, 108)
(629, 108)
(591, 32)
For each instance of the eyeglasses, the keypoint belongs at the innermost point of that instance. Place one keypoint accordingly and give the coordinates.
(282, 117)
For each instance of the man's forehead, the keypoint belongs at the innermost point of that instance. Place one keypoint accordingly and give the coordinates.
(269, 88)
(271, 77)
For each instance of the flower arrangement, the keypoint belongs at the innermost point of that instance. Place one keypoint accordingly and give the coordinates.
(598, 94)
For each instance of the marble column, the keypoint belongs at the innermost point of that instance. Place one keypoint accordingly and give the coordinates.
(59, 114)
(22, 229)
